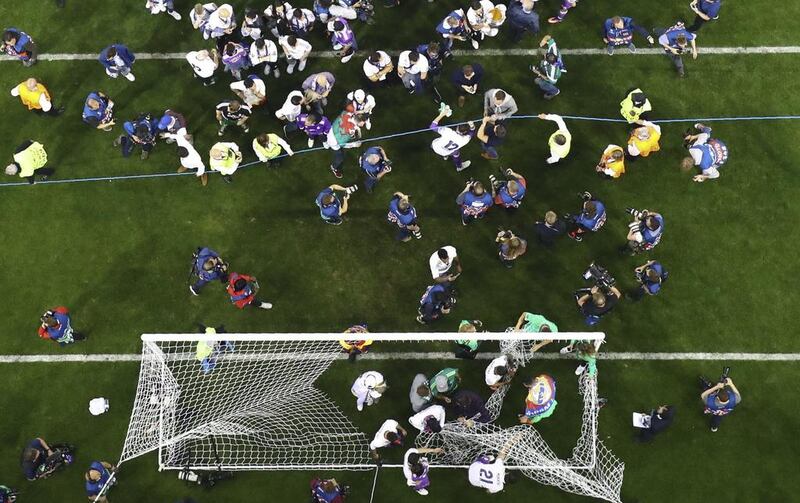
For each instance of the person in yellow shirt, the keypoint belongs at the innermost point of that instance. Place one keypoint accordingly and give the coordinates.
(35, 96)
(644, 139)
(29, 161)
(269, 146)
(225, 157)
(560, 141)
(612, 162)
(635, 106)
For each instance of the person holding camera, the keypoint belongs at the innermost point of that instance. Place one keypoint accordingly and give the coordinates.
(644, 233)
(97, 476)
(474, 202)
(656, 422)
(327, 491)
(330, 209)
(376, 164)
(33, 456)
(650, 276)
(445, 265)
(402, 213)
(142, 132)
(57, 326)
(7, 495)
(707, 153)
(437, 301)
(591, 218)
(207, 266)
(597, 301)
(719, 399)
(508, 193)
(243, 289)
(675, 40)
(510, 247)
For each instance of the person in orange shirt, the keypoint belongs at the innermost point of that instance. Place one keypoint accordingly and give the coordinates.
(644, 139)
(612, 162)
(35, 96)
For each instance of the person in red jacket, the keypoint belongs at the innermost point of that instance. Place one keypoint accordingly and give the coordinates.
(56, 326)
(243, 290)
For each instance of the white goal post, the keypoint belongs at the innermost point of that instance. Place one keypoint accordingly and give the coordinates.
(249, 402)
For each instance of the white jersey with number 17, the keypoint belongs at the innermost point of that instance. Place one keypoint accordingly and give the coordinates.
(490, 476)
(449, 141)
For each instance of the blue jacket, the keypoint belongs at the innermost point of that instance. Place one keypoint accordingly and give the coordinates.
(519, 18)
(402, 219)
(202, 256)
(125, 55)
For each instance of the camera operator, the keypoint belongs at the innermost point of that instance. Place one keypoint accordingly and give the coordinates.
(437, 301)
(33, 456)
(591, 218)
(719, 399)
(97, 477)
(207, 265)
(474, 202)
(644, 233)
(650, 276)
(601, 298)
(657, 421)
(510, 247)
(508, 193)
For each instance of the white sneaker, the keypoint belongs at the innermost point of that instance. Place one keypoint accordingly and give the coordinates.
(369, 124)
(580, 369)
(464, 165)
(175, 15)
(265, 305)
(290, 69)
(565, 350)
(302, 65)
(422, 492)
(276, 73)
(130, 77)
(310, 143)
(475, 44)
(191, 289)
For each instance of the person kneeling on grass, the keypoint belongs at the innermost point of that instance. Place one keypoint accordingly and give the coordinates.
(225, 157)
(541, 401)
(97, 480)
(243, 289)
(269, 146)
(415, 469)
(436, 302)
(56, 326)
(29, 161)
(140, 131)
(328, 491)
(98, 111)
(508, 193)
(368, 388)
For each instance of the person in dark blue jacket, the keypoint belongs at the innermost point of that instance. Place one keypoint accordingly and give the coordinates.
(466, 80)
(140, 131)
(676, 40)
(98, 111)
(117, 60)
(18, 44)
(650, 276)
(437, 301)
(376, 164)
(207, 266)
(97, 477)
(705, 11)
(330, 208)
(591, 218)
(404, 215)
(618, 31)
(645, 232)
(522, 18)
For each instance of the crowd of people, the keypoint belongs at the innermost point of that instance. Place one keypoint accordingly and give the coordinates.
(276, 42)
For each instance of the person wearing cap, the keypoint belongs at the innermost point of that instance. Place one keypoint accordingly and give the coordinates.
(118, 60)
(376, 164)
(445, 383)
(29, 161)
(368, 388)
(362, 103)
(252, 90)
(159, 6)
(612, 162)
(171, 124)
(207, 351)
(98, 111)
(225, 157)
(560, 141)
(57, 326)
(140, 131)
(675, 41)
(20, 45)
(36, 97)
(705, 11)
(549, 229)
(204, 63)
(429, 420)
(269, 146)
(618, 31)
(635, 106)
(404, 215)
(97, 479)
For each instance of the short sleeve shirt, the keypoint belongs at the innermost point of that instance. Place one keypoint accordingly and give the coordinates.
(390, 425)
(439, 268)
(490, 376)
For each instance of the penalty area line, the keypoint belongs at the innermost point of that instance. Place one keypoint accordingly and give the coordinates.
(613, 356)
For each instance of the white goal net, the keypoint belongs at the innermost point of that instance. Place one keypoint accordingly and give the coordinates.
(251, 402)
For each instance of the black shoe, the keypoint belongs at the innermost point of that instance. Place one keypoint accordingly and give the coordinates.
(78, 336)
(352, 357)
(227, 178)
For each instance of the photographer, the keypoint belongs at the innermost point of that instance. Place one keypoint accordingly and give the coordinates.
(675, 41)
(33, 456)
(208, 266)
(650, 277)
(591, 218)
(402, 213)
(644, 233)
(601, 298)
(97, 476)
(474, 202)
(376, 164)
(437, 301)
(719, 399)
(140, 131)
(510, 247)
(7, 495)
(327, 491)
(707, 153)
(57, 326)
(509, 192)
(330, 209)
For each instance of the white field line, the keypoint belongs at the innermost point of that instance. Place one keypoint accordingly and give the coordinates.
(756, 357)
(791, 49)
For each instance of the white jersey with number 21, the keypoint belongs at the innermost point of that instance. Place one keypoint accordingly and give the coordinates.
(490, 476)
(449, 141)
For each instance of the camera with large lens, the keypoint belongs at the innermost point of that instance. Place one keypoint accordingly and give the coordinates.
(600, 277)
(637, 214)
(207, 480)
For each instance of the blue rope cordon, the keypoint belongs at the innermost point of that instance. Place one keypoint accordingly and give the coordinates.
(395, 135)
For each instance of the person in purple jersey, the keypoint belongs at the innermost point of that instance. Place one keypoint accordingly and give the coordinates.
(343, 39)
(314, 125)
(566, 5)
(415, 469)
(474, 202)
(235, 57)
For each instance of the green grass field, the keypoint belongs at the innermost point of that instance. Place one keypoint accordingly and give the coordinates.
(117, 252)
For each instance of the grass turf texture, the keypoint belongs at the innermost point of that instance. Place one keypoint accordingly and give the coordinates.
(117, 253)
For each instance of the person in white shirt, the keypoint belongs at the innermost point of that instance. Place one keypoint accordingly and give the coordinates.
(499, 372)
(292, 107)
(489, 472)
(296, 51)
(368, 388)
(362, 104)
(199, 16)
(445, 264)
(485, 19)
(251, 90)
(204, 63)
(378, 66)
(275, 16)
(429, 420)
(264, 52)
(451, 140)
(220, 22)
(415, 469)
(389, 434)
(190, 157)
(159, 6)
(412, 68)
(301, 21)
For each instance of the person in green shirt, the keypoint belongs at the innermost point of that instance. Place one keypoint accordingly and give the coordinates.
(269, 146)
(586, 351)
(29, 161)
(444, 383)
(529, 322)
(344, 129)
(468, 348)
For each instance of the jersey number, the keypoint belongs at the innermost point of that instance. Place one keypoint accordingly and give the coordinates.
(451, 145)
(486, 476)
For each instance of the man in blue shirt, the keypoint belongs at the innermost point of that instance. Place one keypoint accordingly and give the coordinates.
(509, 192)
(522, 18)
(18, 44)
(403, 214)
(437, 301)
(719, 400)
(490, 134)
(98, 111)
(705, 10)
(208, 266)
(591, 218)
(650, 276)
(675, 41)
(707, 153)
(466, 81)
(33, 455)
(140, 131)
(97, 476)
(474, 202)
(376, 164)
(454, 27)
(645, 232)
(436, 54)
(117, 60)
(330, 208)
(618, 31)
